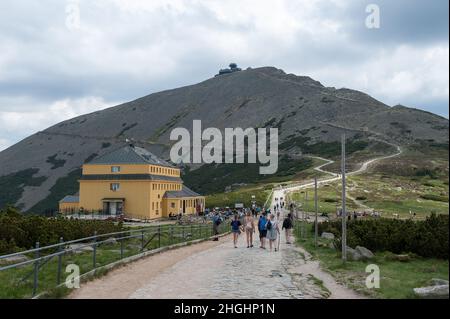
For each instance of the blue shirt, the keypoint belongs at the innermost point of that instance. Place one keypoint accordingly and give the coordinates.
(262, 223)
(235, 224)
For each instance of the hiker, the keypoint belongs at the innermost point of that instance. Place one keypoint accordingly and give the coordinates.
(278, 215)
(272, 231)
(249, 229)
(217, 220)
(262, 230)
(287, 226)
(235, 229)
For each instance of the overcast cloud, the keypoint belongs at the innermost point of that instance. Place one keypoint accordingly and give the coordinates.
(122, 50)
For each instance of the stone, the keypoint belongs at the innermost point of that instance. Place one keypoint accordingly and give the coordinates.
(14, 259)
(432, 292)
(79, 248)
(353, 254)
(364, 252)
(110, 241)
(438, 282)
(327, 235)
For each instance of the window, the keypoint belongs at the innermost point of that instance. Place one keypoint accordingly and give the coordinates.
(172, 204)
(115, 169)
(114, 186)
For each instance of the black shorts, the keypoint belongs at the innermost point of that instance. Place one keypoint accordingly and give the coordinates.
(262, 233)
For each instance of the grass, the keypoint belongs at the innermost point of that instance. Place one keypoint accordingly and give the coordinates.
(241, 195)
(386, 193)
(397, 279)
(17, 283)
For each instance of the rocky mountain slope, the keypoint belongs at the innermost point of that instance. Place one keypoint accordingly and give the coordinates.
(40, 168)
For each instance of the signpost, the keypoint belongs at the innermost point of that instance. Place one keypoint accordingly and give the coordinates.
(344, 214)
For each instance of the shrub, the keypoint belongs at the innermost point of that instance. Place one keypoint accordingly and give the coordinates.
(22, 232)
(436, 198)
(428, 238)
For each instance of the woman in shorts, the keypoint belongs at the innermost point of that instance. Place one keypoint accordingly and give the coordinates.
(235, 229)
(249, 229)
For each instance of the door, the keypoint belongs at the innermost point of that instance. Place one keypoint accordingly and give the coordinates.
(113, 208)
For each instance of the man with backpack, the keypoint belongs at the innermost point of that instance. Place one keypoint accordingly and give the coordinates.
(287, 226)
(217, 220)
(262, 224)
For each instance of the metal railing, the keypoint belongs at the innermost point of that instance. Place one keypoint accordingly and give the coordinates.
(137, 241)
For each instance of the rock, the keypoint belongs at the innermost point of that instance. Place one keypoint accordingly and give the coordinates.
(438, 282)
(364, 252)
(353, 254)
(110, 241)
(79, 248)
(327, 235)
(432, 292)
(14, 259)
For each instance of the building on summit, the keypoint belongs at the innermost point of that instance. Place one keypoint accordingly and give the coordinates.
(134, 182)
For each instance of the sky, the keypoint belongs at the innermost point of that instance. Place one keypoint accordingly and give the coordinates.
(63, 58)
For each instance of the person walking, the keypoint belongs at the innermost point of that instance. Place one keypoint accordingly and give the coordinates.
(273, 231)
(249, 226)
(287, 226)
(236, 229)
(217, 220)
(262, 230)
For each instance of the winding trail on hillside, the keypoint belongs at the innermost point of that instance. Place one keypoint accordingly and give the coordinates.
(335, 177)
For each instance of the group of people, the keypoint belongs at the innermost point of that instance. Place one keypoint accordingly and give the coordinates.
(268, 226)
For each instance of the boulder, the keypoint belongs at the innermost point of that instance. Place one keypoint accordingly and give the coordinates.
(110, 241)
(14, 259)
(364, 252)
(327, 235)
(438, 282)
(79, 248)
(432, 292)
(353, 254)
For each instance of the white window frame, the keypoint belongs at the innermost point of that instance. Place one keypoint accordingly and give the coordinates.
(115, 169)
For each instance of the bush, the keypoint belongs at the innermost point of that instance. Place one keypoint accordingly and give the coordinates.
(436, 198)
(19, 232)
(428, 238)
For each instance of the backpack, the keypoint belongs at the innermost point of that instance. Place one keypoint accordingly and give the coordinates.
(287, 223)
(269, 225)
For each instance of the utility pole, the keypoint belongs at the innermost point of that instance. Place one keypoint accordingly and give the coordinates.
(344, 214)
(316, 226)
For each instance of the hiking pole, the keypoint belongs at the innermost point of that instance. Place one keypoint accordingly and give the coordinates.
(279, 239)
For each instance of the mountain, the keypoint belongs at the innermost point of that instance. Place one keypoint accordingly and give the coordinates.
(44, 167)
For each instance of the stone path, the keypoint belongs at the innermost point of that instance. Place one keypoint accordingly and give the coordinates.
(218, 270)
(226, 272)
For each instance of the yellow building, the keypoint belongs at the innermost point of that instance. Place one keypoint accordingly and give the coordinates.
(134, 182)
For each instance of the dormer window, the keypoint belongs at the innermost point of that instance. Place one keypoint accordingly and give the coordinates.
(115, 169)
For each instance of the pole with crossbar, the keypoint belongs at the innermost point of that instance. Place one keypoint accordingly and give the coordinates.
(344, 213)
(316, 226)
